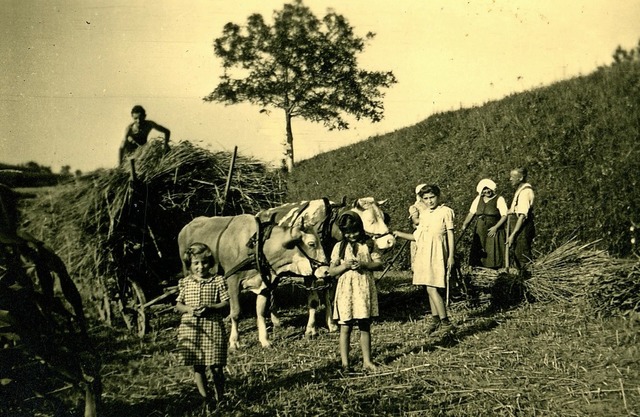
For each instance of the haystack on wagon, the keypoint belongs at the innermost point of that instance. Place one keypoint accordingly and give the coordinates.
(118, 228)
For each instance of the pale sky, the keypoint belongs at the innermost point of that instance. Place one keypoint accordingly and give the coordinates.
(72, 69)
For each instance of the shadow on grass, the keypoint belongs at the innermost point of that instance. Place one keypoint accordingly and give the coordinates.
(248, 393)
(403, 304)
(450, 340)
(187, 403)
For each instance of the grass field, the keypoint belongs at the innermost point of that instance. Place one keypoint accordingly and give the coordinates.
(553, 359)
(532, 360)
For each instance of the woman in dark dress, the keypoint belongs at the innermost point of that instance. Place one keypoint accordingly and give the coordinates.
(490, 210)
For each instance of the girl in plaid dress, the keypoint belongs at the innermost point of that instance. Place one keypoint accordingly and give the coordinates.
(356, 300)
(203, 301)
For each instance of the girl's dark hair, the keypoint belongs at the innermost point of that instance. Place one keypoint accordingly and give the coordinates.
(200, 250)
(430, 189)
(350, 222)
(139, 109)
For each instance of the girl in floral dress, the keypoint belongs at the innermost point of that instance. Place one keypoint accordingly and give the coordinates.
(356, 300)
(203, 301)
(434, 255)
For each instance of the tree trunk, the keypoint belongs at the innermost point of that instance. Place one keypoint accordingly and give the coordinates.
(288, 147)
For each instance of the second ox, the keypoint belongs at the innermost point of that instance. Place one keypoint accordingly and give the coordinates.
(254, 254)
(321, 215)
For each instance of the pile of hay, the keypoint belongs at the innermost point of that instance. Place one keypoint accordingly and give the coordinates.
(617, 292)
(570, 270)
(573, 270)
(110, 225)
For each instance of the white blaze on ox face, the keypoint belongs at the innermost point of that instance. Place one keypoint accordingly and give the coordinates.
(310, 245)
(303, 251)
(306, 221)
(300, 265)
(373, 221)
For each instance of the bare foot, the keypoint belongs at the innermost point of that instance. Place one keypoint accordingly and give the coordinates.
(371, 367)
(346, 369)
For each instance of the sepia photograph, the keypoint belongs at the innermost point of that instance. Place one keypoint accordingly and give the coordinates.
(319, 208)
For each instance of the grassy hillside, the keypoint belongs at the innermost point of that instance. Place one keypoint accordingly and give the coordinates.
(578, 139)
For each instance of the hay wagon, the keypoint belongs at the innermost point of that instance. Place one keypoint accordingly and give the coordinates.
(116, 229)
(145, 266)
(131, 299)
(138, 280)
(142, 270)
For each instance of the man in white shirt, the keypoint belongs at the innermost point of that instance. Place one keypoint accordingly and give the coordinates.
(521, 219)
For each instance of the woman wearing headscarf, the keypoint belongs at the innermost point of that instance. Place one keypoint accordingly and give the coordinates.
(490, 210)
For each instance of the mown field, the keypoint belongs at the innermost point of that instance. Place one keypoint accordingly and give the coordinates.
(536, 359)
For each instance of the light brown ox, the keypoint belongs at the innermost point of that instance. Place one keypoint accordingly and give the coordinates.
(254, 255)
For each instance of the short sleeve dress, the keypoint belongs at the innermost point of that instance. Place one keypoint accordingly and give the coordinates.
(430, 265)
(202, 340)
(356, 293)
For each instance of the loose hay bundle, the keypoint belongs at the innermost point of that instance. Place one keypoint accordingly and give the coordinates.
(107, 226)
(570, 271)
(481, 277)
(616, 292)
(566, 273)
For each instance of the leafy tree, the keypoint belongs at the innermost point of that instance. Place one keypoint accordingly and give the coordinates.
(622, 55)
(305, 66)
(35, 167)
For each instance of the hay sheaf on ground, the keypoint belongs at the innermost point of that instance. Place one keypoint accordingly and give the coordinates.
(571, 271)
(108, 226)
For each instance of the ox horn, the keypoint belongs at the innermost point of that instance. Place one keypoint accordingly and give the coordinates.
(363, 203)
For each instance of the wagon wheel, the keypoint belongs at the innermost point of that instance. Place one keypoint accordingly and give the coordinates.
(132, 301)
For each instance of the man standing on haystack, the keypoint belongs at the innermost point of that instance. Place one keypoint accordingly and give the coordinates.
(138, 131)
(521, 229)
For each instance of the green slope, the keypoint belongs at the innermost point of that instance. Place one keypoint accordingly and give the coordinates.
(578, 138)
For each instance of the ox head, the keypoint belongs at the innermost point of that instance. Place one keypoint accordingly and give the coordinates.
(304, 220)
(295, 251)
(374, 221)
